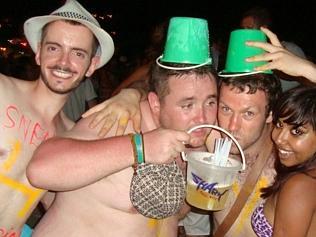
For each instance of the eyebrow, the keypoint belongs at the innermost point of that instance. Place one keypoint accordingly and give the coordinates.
(214, 96)
(59, 45)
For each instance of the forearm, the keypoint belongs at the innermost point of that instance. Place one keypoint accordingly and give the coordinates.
(309, 71)
(79, 163)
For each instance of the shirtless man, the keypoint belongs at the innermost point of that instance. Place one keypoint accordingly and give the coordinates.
(29, 110)
(179, 99)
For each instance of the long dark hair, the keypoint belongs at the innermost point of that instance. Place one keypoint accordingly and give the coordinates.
(297, 107)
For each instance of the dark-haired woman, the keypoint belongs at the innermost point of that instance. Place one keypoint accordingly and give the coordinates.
(289, 207)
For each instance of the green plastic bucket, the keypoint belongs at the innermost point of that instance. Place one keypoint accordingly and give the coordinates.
(238, 51)
(187, 42)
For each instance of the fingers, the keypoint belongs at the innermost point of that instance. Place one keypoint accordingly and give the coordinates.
(122, 124)
(261, 57)
(272, 37)
(183, 137)
(98, 118)
(179, 147)
(264, 67)
(265, 46)
(94, 109)
(109, 121)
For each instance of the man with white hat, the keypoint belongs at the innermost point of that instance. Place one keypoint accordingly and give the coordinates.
(69, 45)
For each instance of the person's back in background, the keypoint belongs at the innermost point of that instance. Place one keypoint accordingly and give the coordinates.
(81, 99)
(259, 16)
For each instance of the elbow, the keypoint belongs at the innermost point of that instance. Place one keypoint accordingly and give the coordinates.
(33, 176)
(34, 173)
(37, 171)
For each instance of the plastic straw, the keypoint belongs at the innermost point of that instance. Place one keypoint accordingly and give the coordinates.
(221, 151)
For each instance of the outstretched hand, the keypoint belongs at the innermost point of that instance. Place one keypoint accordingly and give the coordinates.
(277, 56)
(120, 108)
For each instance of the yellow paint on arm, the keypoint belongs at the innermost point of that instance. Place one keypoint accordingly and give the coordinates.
(31, 193)
(13, 155)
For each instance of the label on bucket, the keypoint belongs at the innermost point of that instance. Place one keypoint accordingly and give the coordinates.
(207, 196)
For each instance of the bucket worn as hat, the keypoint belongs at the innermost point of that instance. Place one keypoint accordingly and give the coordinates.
(157, 191)
(238, 51)
(71, 10)
(187, 43)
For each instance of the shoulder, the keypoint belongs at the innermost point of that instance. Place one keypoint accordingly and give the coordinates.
(13, 86)
(6, 80)
(300, 187)
(300, 180)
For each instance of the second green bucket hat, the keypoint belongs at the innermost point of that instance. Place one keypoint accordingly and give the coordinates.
(187, 43)
(238, 51)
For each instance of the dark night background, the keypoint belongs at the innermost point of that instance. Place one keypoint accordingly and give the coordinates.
(131, 20)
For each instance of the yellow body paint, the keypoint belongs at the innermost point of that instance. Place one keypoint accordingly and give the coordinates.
(156, 224)
(250, 205)
(31, 193)
(12, 157)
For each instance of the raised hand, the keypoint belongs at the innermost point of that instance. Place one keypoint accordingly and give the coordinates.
(281, 59)
(121, 107)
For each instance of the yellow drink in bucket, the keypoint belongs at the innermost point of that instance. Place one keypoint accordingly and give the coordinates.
(208, 184)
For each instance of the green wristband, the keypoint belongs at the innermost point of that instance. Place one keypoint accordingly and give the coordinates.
(139, 148)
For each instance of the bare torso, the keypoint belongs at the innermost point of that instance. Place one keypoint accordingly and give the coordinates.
(103, 208)
(22, 129)
(100, 209)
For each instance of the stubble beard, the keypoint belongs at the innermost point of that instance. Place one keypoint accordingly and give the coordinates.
(59, 91)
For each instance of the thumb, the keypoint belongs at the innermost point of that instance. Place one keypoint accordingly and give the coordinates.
(137, 122)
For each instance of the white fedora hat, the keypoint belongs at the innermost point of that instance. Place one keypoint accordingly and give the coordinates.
(71, 10)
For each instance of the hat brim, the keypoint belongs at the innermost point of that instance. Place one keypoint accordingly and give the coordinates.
(240, 74)
(190, 66)
(33, 31)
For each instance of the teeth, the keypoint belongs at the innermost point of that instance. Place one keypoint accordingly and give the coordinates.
(284, 153)
(62, 74)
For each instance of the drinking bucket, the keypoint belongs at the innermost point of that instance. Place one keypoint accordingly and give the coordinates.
(209, 185)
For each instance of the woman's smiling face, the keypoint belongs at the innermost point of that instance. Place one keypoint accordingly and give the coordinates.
(295, 144)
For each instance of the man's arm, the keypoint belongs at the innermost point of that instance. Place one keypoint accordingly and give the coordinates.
(64, 163)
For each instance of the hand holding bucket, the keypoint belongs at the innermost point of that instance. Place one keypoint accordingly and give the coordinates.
(208, 185)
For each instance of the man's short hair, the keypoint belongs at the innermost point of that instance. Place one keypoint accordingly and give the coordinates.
(268, 83)
(159, 77)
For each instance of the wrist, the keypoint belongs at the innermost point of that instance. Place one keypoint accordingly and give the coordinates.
(138, 149)
(310, 72)
(132, 92)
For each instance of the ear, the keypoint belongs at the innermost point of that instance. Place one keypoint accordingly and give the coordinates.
(269, 118)
(154, 102)
(37, 54)
(94, 63)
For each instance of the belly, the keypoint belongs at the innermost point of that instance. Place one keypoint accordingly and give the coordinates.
(110, 192)
(101, 209)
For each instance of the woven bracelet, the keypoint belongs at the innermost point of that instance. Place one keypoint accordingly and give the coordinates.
(138, 143)
(138, 149)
